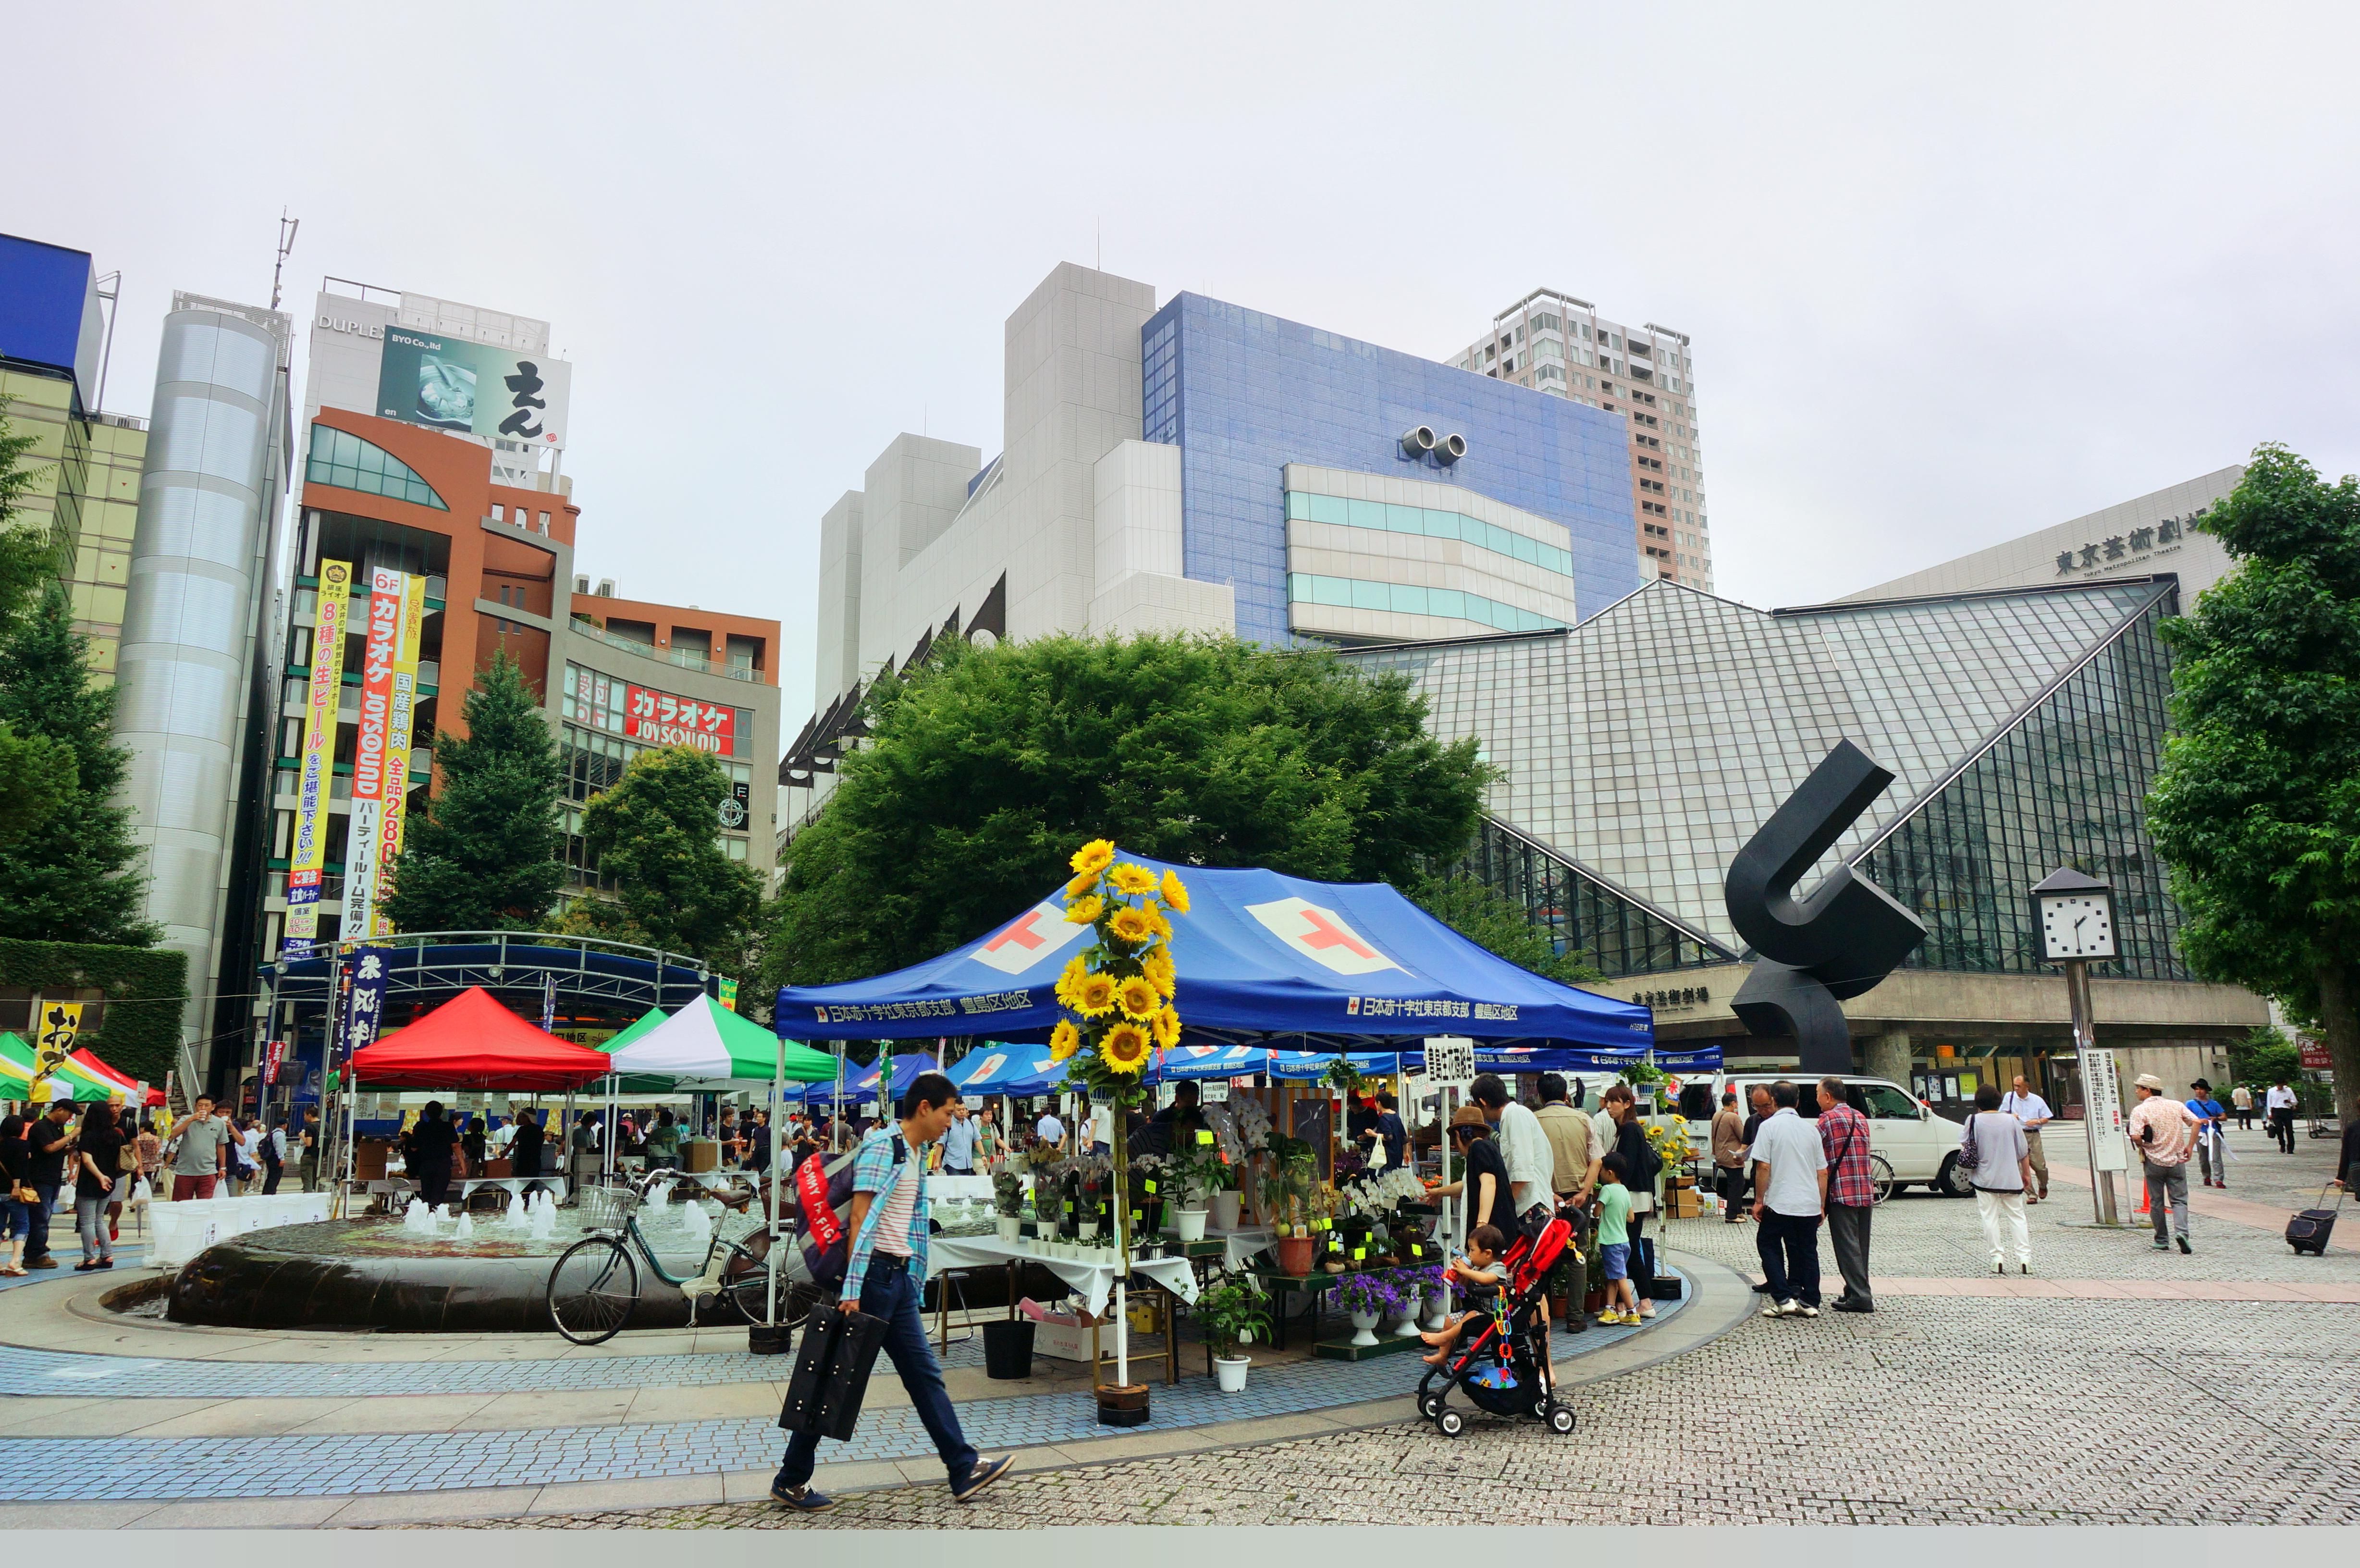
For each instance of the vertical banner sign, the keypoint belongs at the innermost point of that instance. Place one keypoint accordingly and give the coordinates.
(730, 995)
(363, 1001)
(388, 589)
(398, 739)
(274, 1056)
(548, 999)
(310, 850)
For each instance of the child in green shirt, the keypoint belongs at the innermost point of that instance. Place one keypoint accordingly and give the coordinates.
(1614, 1244)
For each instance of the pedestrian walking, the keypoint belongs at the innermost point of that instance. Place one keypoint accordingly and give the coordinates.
(1790, 1192)
(2279, 1105)
(1729, 1143)
(1998, 1158)
(2212, 1134)
(197, 1151)
(885, 1268)
(1852, 1193)
(17, 1198)
(98, 1167)
(2242, 1098)
(958, 1142)
(2164, 1132)
(270, 1149)
(50, 1139)
(306, 1151)
(2033, 1112)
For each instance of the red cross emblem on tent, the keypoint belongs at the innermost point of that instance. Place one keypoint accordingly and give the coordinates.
(1321, 934)
(1028, 940)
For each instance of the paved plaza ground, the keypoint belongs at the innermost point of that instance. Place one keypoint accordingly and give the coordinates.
(2114, 1385)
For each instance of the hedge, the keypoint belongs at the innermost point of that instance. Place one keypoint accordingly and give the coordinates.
(145, 987)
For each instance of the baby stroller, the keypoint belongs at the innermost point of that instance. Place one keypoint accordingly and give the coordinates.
(1503, 1362)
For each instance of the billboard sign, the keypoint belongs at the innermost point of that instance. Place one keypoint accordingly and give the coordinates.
(388, 594)
(658, 718)
(400, 718)
(310, 850)
(471, 388)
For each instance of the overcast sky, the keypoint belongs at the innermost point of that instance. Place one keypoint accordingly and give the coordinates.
(1952, 274)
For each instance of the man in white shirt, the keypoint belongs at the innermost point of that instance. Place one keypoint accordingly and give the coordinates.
(2279, 1103)
(1523, 1145)
(2033, 1111)
(1790, 1188)
(1049, 1129)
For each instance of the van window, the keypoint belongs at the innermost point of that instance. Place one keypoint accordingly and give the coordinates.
(1696, 1102)
(1889, 1103)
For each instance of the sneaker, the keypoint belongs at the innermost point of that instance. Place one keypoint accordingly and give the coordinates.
(2161, 1245)
(1776, 1310)
(984, 1473)
(802, 1499)
(1790, 1308)
(2183, 1244)
(1632, 1319)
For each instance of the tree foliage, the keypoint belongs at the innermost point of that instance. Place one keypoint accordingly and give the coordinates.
(2256, 808)
(655, 831)
(37, 772)
(1500, 927)
(987, 767)
(486, 854)
(2263, 1058)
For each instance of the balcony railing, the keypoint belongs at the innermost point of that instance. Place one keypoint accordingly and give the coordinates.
(684, 657)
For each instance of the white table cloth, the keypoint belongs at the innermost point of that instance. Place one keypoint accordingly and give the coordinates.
(1240, 1247)
(1091, 1280)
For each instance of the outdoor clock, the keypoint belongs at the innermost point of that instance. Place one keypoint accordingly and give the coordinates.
(2074, 916)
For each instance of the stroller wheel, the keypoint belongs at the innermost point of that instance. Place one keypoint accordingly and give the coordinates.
(1560, 1420)
(1541, 1409)
(1452, 1423)
(1428, 1404)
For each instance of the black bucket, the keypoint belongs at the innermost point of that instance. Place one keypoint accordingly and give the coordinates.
(1008, 1349)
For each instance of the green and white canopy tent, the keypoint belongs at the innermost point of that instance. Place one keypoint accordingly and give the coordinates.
(706, 1046)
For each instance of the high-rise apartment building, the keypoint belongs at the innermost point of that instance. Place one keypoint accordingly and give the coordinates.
(1555, 344)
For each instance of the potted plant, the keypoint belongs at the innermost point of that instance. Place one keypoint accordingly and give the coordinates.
(1287, 1188)
(1008, 1199)
(1232, 1312)
(1369, 1298)
(1226, 1199)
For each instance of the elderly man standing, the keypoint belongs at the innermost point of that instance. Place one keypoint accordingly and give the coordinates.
(1729, 1142)
(1525, 1147)
(2165, 1134)
(1852, 1192)
(1790, 1189)
(2033, 1111)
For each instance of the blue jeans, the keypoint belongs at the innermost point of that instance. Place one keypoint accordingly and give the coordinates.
(16, 1219)
(1789, 1245)
(889, 1292)
(91, 1225)
(37, 1235)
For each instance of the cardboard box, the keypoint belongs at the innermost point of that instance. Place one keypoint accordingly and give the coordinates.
(1064, 1336)
(700, 1154)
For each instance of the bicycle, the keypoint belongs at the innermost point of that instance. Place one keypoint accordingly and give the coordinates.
(593, 1287)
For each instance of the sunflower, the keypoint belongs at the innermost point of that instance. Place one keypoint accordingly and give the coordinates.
(1125, 1047)
(1081, 884)
(1085, 912)
(1093, 858)
(1063, 1040)
(1176, 893)
(1094, 998)
(1070, 980)
(1159, 970)
(1139, 998)
(1156, 921)
(1166, 1025)
(1131, 925)
(1133, 879)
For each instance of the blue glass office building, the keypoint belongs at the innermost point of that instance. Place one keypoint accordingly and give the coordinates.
(1244, 393)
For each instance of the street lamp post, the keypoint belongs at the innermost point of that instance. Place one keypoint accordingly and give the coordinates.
(2074, 915)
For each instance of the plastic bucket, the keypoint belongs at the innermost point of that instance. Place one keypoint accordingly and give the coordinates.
(1008, 1349)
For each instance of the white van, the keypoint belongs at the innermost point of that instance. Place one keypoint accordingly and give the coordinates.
(1907, 1142)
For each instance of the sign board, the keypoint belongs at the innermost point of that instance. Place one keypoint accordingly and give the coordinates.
(2314, 1054)
(470, 388)
(659, 718)
(381, 650)
(314, 780)
(273, 1055)
(2102, 1100)
(1450, 1059)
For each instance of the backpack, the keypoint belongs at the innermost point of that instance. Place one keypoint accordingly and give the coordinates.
(823, 1198)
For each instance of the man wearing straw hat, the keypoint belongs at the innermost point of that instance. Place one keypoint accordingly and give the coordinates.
(2165, 1134)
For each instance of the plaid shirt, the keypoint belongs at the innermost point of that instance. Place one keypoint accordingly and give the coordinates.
(1844, 1129)
(874, 1173)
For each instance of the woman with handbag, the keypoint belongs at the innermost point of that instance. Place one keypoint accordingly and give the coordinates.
(18, 1202)
(98, 1168)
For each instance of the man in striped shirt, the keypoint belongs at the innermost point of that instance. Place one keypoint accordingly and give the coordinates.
(885, 1271)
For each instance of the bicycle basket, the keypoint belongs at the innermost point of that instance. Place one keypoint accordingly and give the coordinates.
(607, 1208)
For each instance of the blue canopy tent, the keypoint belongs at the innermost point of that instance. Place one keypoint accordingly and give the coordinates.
(1336, 966)
(861, 1082)
(998, 1068)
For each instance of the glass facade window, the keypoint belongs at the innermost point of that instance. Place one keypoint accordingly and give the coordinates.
(1431, 523)
(339, 457)
(1579, 912)
(1407, 599)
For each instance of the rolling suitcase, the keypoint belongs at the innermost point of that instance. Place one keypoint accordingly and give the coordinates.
(2308, 1230)
(831, 1377)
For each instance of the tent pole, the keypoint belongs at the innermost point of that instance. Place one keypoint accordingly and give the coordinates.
(771, 1201)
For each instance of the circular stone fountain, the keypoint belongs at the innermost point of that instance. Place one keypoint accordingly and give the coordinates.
(375, 1274)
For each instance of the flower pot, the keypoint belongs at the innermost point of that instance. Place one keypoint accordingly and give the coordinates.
(1230, 1371)
(1224, 1214)
(1087, 1233)
(1364, 1328)
(1408, 1324)
(1010, 1227)
(1437, 1309)
(1593, 1301)
(1294, 1254)
(1191, 1224)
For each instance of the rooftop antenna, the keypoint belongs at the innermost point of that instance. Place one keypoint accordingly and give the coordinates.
(286, 228)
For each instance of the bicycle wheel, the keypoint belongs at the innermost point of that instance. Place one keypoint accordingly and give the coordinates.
(1879, 1176)
(594, 1289)
(746, 1287)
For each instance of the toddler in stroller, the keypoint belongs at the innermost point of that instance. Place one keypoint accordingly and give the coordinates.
(1498, 1351)
(1478, 1287)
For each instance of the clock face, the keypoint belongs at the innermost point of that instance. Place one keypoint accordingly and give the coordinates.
(2076, 925)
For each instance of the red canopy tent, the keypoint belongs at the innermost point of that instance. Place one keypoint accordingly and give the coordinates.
(101, 1071)
(472, 1042)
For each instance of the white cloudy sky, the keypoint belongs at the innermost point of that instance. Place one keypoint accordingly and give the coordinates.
(1952, 273)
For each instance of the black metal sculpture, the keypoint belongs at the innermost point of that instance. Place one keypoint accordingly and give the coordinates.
(1840, 942)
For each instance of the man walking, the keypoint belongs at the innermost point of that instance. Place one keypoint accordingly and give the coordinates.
(2279, 1105)
(199, 1150)
(884, 1272)
(1790, 1192)
(2164, 1132)
(307, 1150)
(2212, 1134)
(1523, 1144)
(2030, 1110)
(1852, 1193)
(2242, 1098)
(958, 1142)
(52, 1141)
(1729, 1155)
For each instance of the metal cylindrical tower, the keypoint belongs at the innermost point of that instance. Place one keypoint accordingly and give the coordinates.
(197, 563)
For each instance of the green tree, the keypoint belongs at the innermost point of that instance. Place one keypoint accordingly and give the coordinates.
(73, 873)
(36, 773)
(485, 856)
(2256, 808)
(988, 767)
(1500, 927)
(656, 832)
(2263, 1058)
